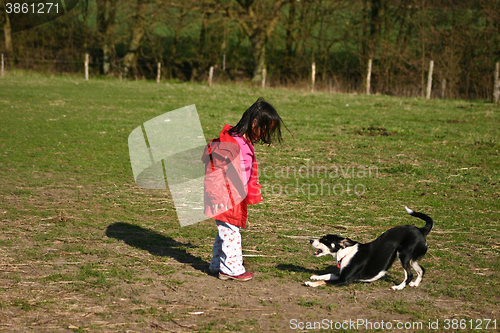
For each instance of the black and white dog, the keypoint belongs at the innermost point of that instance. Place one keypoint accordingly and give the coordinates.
(369, 262)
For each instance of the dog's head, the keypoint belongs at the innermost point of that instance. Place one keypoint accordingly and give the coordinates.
(330, 244)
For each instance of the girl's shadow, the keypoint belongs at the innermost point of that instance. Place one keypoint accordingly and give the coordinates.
(155, 243)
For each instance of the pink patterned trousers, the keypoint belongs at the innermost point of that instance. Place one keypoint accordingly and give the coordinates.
(226, 255)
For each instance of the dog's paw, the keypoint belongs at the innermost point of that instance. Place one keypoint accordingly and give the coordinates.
(398, 287)
(310, 284)
(325, 277)
(314, 284)
(413, 284)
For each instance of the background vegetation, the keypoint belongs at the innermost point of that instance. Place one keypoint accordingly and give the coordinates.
(241, 37)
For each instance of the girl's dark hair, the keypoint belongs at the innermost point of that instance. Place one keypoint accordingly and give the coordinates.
(267, 118)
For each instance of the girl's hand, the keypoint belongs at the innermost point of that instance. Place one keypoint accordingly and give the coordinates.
(216, 207)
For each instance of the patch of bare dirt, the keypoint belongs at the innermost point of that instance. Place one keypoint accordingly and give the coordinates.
(374, 131)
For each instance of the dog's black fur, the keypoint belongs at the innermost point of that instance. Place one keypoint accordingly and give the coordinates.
(369, 262)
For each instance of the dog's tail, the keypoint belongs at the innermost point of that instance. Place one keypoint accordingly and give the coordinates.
(428, 221)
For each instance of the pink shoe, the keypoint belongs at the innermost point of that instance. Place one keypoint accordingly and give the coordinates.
(242, 277)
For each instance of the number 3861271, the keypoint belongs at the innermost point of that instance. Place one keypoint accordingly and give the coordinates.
(32, 8)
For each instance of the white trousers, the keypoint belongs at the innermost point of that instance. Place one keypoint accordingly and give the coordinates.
(226, 255)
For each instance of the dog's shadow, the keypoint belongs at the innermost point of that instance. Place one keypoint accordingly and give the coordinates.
(327, 270)
(155, 243)
(295, 268)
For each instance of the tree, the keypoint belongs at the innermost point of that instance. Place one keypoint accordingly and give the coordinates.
(7, 31)
(258, 19)
(138, 30)
(106, 15)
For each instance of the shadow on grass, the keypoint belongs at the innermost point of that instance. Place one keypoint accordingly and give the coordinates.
(328, 270)
(155, 243)
(295, 268)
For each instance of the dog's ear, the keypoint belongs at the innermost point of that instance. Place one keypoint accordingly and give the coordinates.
(346, 242)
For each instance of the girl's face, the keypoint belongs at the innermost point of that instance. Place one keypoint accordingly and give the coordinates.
(258, 132)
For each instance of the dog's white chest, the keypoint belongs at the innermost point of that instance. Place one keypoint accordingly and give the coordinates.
(344, 256)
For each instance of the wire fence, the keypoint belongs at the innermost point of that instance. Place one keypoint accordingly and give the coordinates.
(374, 81)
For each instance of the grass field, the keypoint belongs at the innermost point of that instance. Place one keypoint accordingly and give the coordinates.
(82, 248)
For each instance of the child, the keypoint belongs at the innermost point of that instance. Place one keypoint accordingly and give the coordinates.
(231, 183)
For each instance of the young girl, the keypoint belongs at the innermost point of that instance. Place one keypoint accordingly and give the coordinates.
(231, 183)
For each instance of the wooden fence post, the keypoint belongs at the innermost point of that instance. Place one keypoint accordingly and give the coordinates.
(369, 77)
(264, 78)
(496, 85)
(443, 88)
(210, 76)
(313, 76)
(158, 75)
(429, 80)
(86, 66)
(2, 65)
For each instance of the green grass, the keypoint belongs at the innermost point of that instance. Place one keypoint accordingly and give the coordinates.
(69, 205)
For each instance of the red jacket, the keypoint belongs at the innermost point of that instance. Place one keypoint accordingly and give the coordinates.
(224, 183)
